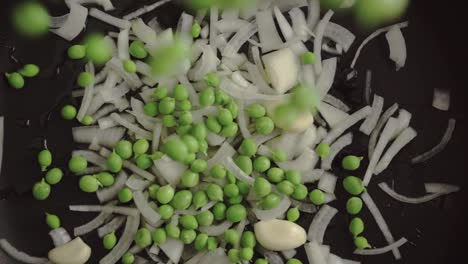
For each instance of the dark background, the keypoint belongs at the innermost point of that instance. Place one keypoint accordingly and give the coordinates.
(436, 58)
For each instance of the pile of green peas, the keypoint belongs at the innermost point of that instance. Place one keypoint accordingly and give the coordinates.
(263, 124)
(41, 190)
(16, 79)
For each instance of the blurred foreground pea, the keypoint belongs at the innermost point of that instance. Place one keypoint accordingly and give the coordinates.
(371, 13)
(29, 70)
(31, 19)
(137, 49)
(45, 159)
(98, 49)
(76, 52)
(15, 80)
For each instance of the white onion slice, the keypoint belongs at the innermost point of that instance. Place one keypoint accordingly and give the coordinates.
(224, 152)
(230, 25)
(441, 99)
(335, 148)
(439, 147)
(88, 95)
(106, 4)
(299, 23)
(258, 79)
(243, 120)
(287, 141)
(93, 224)
(305, 162)
(288, 33)
(206, 64)
(169, 169)
(143, 32)
(104, 111)
(313, 13)
(381, 223)
(371, 37)
(414, 200)
(326, 77)
(108, 122)
(142, 173)
(20, 256)
(111, 226)
(136, 183)
(74, 23)
(380, 125)
(312, 176)
(125, 241)
(315, 253)
(397, 45)
(335, 102)
(289, 254)
(353, 119)
(320, 223)
(156, 136)
(371, 121)
(339, 35)
(400, 142)
(106, 137)
(91, 157)
(307, 140)
(214, 139)
(216, 230)
(106, 209)
(378, 251)
(109, 193)
(122, 45)
(145, 9)
(131, 79)
(304, 207)
(214, 16)
(319, 32)
(231, 166)
(132, 127)
(58, 21)
(327, 183)
(239, 39)
(173, 248)
(274, 213)
(59, 236)
(269, 37)
(150, 215)
(333, 116)
(440, 188)
(205, 32)
(111, 20)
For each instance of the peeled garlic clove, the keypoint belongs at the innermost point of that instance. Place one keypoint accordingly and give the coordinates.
(279, 235)
(73, 252)
(282, 68)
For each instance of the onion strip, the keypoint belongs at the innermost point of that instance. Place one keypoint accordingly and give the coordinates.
(320, 223)
(413, 200)
(319, 32)
(106, 18)
(380, 125)
(75, 22)
(274, 213)
(236, 171)
(125, 241)
(335, 148)
(20, 256)
(371, 121)
(378, 251)
(400, 142)
(112, 226)
(150, 215)
(353, 119)
(109, 193)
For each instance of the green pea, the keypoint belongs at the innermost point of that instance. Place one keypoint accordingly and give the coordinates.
(353, 185)
(351, 162)
(248, 240)
(233, 108)
(98, 49)
(159, 236)
(89, 184)
(214, 192)
(212, 79)
(166, 211)
(68, 112)
(317, 197)
(15, 80)
(165, 194)
(129, 66)
(231, 190)
(235, 199)
(232, 237)
(77, 164)
(244, 188)
(41, 190)
(85, 79)
(262, 187)
(143, 238)
(137, 49)
(356, 227)
(354, 205)
(230, 178)
(255, 111)
(294, 176)
(196, 29)
(199, 165)
(218, 171)
(213, 125)
(361, 243)
(212, 244)
(229, 130)
(293, 214)
(275, 175)
(105, 178)
(233, 255)
(180, 93)
(151, 109)
(200, 199)
(160, 93)
(205, 218)
(52, 221)
(76, 52)
(199, 131)
(172, 231)
(221, 97)
(45, 159)
(29, 70)
(207, 97)
(184, 105)
(261, 164)
(248, 147)
(304, 98)
(182, 200)
(270, 201)
(190, 159)
(264, 125)
(294, 261)
(125, 195)
(87, 120)
(323, 150)
(285, 187)
(185, 118)
(156, 155)
(187, 236)
(246, 253)
(190, 179)
(124, 149)
(300, 192)
(109, 241)
(261, 261)
(114, 163)
(176, 149)
(244, 163)
(128, 258)
(224, 117)
(191, 143)
(279, 155)
(153, 190)
(219, 211)
(183, 130)
(308, 58)
(201, 242)
(144, 161)
(166, 106)
(141, 146)
(236, 213)
(54, 176)
(31, 19)
(169, 121)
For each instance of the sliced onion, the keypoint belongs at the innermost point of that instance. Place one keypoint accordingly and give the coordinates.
(122, 45)
(104, 111)
(74, 23)
(106, 137)
(88, 95)
(372, 36)
(106, 209)
(305, 162)
(142, 173)
(132, 127)
(235, 62)
(20, 256)
(384, 139)
(108, 122)
(156, 137)
(224, 152)
(380, 125)
(320, 223)
(319, 32)
(216, 230)
(125, 241)
(304, 207)
(288, 33)
(214, 139)
(412, 200)
(207, 63)
(136, 183)
(353, 119)
(59, 236)
(145, 9)
(269, 37)
(327, 182)
(90, 170)
(441, 99)
(205, 32)
(439, 147)
(381, 223)
(143, 32)
(150, 215)
(169, 169)
(371, 121)
(214, 15)
(258, 80)
(313, 13)
(312, 176)
(339, 35)
(333, 116)
(400, 142)
(131, 79)
(111, 20)
(229, 164)
(299, 23)
(93, 224)
(307, 140)
(327, 76)
(106, 4)
(274, 213)
(238, 39)
(397, 45)
(243, 120)
(111, 226)
(287, 141)
(230, 25)
(378, 251)
(91, 157)
(109, 193)
(289, 254)
(335, 102)
(314, 252)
